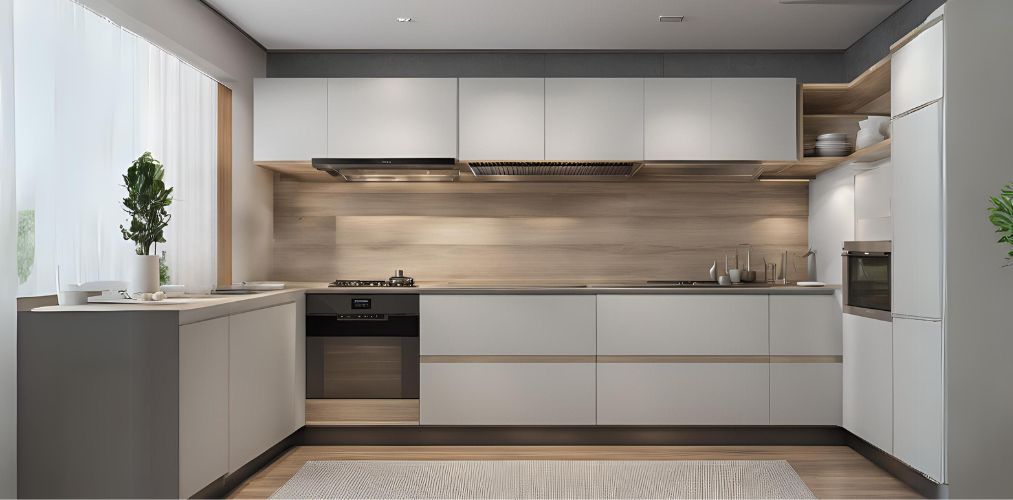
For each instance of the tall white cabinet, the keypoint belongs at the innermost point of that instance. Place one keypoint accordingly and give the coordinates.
(918, 394)
(917, 97)
(868, 380)
(917, 262)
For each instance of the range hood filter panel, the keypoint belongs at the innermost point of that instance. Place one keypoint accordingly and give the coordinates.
(553, 169)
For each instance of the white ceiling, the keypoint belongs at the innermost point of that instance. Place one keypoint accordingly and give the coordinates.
(556, 24)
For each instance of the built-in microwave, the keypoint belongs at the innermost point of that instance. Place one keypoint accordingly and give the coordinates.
(866, 279)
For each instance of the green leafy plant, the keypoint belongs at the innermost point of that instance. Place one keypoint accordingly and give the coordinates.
(1000, 214)
(163, 270)
(26, 244)
(146, 202)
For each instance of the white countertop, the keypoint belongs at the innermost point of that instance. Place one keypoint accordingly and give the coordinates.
(207, 306)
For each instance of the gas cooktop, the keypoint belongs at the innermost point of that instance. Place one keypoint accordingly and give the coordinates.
(366, 284)
(398, 280)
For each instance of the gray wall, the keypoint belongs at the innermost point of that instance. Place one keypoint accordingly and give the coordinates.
(806, 66)
(875, 45)
(979, 291)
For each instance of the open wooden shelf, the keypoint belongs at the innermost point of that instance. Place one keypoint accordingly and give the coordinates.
(869, 94)
(811, 166)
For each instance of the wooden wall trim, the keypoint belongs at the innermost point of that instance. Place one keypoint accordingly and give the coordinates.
(224, 195)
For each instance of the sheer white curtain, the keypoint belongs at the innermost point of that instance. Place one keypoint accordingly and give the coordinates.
(8, 268)
(90, 98)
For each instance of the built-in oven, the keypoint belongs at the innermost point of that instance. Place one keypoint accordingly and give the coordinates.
(362, 346)
(866, 279)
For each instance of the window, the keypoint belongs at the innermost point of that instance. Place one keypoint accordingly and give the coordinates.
(90, 97)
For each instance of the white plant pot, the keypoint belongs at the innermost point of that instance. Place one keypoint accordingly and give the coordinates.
(143, 274)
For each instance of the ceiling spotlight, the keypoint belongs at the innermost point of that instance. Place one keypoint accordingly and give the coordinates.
(405, 19)
(670, 19)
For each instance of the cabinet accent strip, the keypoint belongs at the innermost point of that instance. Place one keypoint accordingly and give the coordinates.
(683, 359)
(507, 359)
(720, 359)
(628, 359)
(807, 359)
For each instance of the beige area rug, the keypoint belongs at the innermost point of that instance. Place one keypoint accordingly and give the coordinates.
(525, 479)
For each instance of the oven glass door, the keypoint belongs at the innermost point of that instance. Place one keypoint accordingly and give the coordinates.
(868, 281)
(362, 367)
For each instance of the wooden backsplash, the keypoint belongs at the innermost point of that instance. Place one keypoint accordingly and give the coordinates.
(583, 232)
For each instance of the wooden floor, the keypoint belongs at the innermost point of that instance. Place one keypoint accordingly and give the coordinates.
(829, 471)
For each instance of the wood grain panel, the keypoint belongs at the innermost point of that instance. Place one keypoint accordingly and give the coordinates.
(601, 231)
(863, 94)
(362, 412)
(224, 186)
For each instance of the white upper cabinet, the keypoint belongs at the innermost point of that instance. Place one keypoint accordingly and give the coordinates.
(289, 119)
(594, 118)
(502, 118)
(392, 117)
(917, 264)
(916, 71)
(754, 119)
(677, 119)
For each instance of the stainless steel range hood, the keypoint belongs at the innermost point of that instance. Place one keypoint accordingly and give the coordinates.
(553, 170)
(390, 169)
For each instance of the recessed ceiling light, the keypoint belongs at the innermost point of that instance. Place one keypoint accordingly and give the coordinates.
(405, 19)
(670, 19)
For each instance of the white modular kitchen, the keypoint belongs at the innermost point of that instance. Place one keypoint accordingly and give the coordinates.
(546, 250)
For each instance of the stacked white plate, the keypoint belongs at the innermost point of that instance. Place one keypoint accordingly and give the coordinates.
(809, 145)
(832, 145)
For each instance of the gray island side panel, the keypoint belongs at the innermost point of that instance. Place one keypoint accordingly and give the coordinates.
(98, 404)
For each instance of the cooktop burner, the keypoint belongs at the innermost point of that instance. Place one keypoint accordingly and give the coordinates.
(398, 280)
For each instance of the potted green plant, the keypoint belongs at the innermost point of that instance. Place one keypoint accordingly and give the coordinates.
(146, 202)
(1000, 214)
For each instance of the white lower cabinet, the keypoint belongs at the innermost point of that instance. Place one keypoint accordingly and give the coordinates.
(203, 404)
(918, 428)
(682, 325)
(868, 376)
(507, 393)
(263, 369)
(507, 325)
(805, 394)
(683, 393)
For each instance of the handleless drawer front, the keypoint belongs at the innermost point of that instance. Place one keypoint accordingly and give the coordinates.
(682, 325)
(805, 394)
(803, 325)
(507, 393)
(683, 394)
(507, 325)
